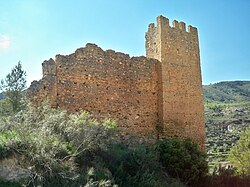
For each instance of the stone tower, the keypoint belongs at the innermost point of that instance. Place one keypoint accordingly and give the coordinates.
(180, 99)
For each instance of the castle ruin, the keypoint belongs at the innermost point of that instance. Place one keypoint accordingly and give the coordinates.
(160, 93)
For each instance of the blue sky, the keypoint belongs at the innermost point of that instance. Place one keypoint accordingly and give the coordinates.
(35, 30)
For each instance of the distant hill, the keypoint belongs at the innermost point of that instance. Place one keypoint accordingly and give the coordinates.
(1, 96)
(230, 91)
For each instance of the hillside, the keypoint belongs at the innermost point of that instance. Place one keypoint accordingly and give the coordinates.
(230, 91)
(227, 113)
(1, 96)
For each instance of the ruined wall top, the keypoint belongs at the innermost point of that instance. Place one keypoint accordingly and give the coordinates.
(93, 53)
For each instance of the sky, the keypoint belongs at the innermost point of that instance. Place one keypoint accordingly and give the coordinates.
(32, 31)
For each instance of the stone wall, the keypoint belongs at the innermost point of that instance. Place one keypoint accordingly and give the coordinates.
(106, 83)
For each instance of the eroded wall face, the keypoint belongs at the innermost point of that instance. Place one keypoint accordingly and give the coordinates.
(109, 84)
(182, 88)
(182, 99)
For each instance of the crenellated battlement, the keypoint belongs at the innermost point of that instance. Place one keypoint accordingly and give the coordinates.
(163, 23)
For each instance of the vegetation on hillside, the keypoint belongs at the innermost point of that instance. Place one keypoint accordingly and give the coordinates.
(240, 154)
(60, 149)
(230, 91)
(50, 141)
(227, 112)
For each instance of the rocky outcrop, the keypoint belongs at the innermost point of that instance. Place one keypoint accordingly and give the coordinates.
(11, 170)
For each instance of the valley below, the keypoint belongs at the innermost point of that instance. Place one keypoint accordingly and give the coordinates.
(227, 115)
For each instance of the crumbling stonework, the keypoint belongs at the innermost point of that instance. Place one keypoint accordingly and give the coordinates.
(160, 94)
(104, 83)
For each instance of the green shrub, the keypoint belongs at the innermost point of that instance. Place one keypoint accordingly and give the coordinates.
(182, 159)
(52, 142)
(239, 155)
(135, 166)
(7, 138)
(5, 108)
(59, 148)
(9, 184)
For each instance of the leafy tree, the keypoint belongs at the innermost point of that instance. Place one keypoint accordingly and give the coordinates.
(240, 154)
(13, 87)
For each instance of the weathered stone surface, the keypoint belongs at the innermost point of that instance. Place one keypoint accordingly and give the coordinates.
(10, 170)
(144, 95)
(181, 111)
(106, 83)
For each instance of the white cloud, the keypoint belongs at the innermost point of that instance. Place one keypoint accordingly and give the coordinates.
(4, 42)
